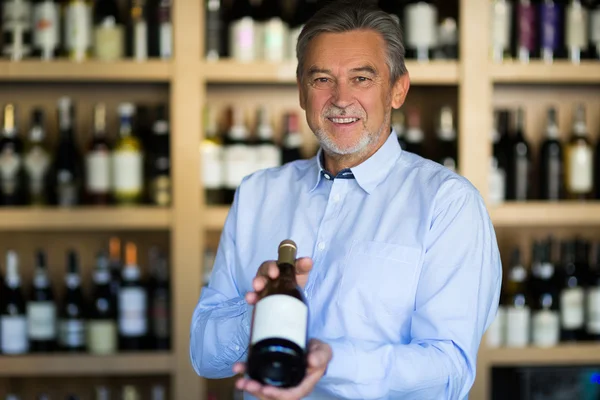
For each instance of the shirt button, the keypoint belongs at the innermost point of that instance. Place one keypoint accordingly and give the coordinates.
(237, 348)
(327, 177)
(322, 246)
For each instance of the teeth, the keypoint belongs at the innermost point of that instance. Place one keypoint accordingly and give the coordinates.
(344, 120)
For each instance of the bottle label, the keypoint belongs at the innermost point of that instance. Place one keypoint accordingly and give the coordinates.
(550, 26)
(41, 320)
(273, 35)
(242, 40)
(160, 315)
(580, 169)
(576, 34)
(10, 164)
(78, 27)
(501, 25)
(102, 336)
(554, 177)
(72, 333)
(497, 185)
(494, 336)
(213, 34)
(37, 162)
(97, 171)
(66, 190)
(109, 42)
(132, 311)
(127, 171)
(46, 23)
(517, 326)
(595, 26)
(571, 308)
(140, 41)
(14, 334)
(593, 307)
(546, 328)
(166, 40)
(16, 25)
(280, 316)
(212, 166)
(527, 24)
(239, 162)
(267, 156)
(421, 25)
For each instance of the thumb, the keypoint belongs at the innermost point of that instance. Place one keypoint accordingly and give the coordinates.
(303, 265)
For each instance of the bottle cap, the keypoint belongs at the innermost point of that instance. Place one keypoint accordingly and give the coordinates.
(287, 252)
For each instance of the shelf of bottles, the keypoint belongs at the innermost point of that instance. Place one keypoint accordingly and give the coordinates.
(114, 317)
(254, 42)
(545, 42)
(84, 39)
(87, 388)
(55, 178)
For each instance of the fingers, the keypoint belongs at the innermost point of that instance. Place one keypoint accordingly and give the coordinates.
(239, 368)
(319, 354)
(303, 265)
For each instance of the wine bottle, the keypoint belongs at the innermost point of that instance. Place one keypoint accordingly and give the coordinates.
(159, 173)
(37, 160)
(502, 27)
(243, 32)
(102, 327)
(292, 139)
(115, 267)
(46, 29)
(593, 299)
(133, 317)
(519, 187)
(414, 133)
(127, 160)
(72, 335)
(272, 31)
(16, 29)
(572, 293)
(165, 29)
(579, 159)
(79, 29)
(576, 30)
(518, 304)
(267, 154)
(211, 150)
(497, 172)
(551, 161)
(545, 321)
(447, 46)
(41, 309)
(594, 47)
(213, 15)
(550, 32)
(278, 339)
(13, 177)
(238, 155)
(67, 174)
(13, 319)
(526, 36)
(97, 161)
(398, 123)
(160, 301)
(109, 32)
(420, 20)
(130, 392)
(302, 12)
(447, 152)
(137, 30)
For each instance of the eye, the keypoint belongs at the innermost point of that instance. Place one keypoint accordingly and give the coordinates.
(361, 79)
(321, 80)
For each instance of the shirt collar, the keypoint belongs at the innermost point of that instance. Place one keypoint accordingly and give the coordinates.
(370, 173)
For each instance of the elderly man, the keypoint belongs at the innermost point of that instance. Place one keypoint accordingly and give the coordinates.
(397, 255)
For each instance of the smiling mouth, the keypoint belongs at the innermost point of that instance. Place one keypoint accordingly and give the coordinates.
(344, 121)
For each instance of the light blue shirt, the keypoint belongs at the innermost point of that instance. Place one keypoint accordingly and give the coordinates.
(406, 274)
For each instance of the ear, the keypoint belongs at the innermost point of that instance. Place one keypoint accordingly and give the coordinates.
(400, 90)
(301, 94)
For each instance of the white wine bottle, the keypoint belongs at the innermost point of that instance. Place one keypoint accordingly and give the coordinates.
(278, 339)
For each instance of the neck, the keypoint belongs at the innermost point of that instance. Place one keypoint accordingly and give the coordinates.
(334, 163)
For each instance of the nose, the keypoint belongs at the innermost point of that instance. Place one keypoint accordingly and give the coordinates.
(342, 95)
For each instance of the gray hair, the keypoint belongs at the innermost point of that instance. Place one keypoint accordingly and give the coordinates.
(345, 16)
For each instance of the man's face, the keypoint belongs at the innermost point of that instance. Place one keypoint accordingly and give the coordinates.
(346, 91)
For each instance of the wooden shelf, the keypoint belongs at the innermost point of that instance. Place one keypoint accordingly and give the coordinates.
(565, 213)
(84, 364)
(571, 354)
(560, 72)
(69, 71)
(215, 217)
(434, 73)
(85, 218)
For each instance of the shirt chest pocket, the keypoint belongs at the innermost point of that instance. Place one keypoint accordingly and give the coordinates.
(379, 278)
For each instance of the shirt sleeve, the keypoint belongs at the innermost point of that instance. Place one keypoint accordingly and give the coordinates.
(220, 327)
(456, 300)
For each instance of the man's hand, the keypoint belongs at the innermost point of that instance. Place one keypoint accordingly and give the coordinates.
(269, 269)
(319, 355)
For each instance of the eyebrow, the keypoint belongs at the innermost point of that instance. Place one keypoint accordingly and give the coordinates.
(315, 70)
(365, 68)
